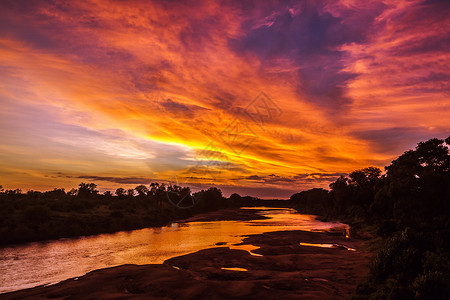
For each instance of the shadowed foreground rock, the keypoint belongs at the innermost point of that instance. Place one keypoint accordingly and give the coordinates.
(286, 270)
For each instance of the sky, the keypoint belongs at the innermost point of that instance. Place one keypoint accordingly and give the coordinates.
(262, 98)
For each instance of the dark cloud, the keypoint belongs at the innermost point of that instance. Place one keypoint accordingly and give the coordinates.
(22, 31)
(427, 38)
(39, 24)
(308, 36)
(197, 31)
(120, 180)
(298, 179)
(254, 177)
(175, 106)
(431, 77)
(441, 2)
(398, 139)
(426, 45)
(180, 109)
(261, 192)
(325, 176)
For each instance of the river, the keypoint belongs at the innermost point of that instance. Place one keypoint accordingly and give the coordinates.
(33, 264)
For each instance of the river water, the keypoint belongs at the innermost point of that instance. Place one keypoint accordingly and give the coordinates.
(34, 264)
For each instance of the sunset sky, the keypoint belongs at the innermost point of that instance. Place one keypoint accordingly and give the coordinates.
(263, 98)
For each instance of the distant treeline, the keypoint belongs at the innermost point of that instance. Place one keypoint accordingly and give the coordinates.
(34, 216)
(409, 207)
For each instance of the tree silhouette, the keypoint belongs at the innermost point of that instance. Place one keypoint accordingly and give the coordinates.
(86, 190)
(120, 192)
(130, 193)
(365, 178)
(142, 190)
(418, 183)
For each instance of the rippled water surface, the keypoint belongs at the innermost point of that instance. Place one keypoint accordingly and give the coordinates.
(35, 264)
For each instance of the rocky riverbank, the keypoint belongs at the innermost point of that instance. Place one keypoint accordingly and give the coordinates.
(287, 265)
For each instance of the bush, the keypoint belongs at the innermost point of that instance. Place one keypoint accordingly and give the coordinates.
(432, 285)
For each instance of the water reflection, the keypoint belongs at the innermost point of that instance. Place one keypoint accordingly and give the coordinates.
(235, 269)
(50, 262)
(328, 246)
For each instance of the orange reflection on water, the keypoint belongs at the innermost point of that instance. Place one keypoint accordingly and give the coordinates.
(235, 269)
(327, 246)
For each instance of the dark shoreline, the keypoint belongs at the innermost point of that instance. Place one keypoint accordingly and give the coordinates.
(236, 214)
(285, 270)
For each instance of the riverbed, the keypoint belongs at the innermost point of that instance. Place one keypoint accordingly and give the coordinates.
(34, 264)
